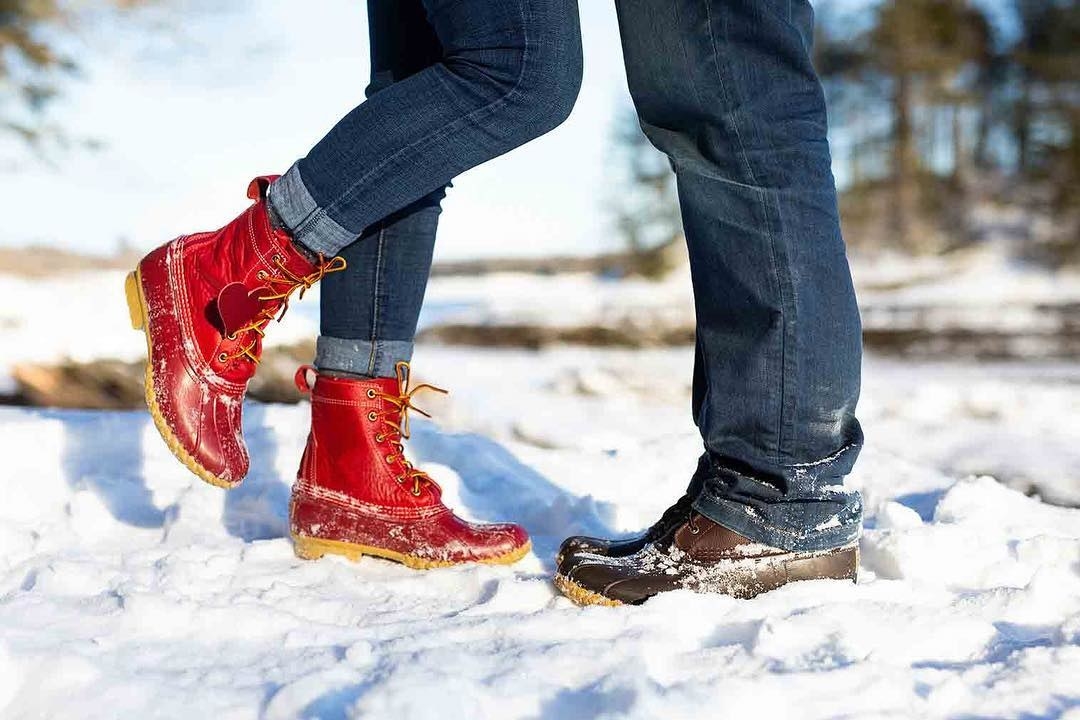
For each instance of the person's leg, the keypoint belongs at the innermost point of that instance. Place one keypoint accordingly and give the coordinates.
(727, 90)
(510, 71)
(370, 310)
(384, 169)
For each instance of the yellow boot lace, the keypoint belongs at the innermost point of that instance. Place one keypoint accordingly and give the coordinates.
(281, 289)
(398, 430)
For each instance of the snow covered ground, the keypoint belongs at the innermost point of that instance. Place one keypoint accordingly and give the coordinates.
(130, 589)
(980, 290)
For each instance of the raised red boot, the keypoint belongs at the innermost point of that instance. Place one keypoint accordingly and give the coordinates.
(356, 494)
(204, 301)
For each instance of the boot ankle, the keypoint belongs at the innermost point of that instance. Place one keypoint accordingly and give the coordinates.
(310, 255)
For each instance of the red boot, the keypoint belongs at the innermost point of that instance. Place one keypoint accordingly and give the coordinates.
(356, 494)
(204, 301)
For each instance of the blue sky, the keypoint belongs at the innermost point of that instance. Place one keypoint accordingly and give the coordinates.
(188, 112)
(192, 98)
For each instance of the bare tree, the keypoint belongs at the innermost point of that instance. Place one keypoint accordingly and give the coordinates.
(31, 62)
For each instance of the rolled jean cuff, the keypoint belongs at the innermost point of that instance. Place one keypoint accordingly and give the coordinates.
(308, 223)
(735, 517)
(374, 358)
(820, 515)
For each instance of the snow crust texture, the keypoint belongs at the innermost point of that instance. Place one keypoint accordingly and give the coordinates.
(130, 589)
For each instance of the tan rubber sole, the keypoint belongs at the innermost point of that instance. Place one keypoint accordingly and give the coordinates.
(309, 548)
(581, 596)
(136, 303)
(841, 564)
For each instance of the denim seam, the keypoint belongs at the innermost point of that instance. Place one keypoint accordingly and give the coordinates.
(762, 197)
(372, 358)
(686, 57)
(702, 412)
(441, 133)
(788, 360)
(698, 419)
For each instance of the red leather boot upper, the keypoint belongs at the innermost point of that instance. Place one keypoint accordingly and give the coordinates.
(208, 298)
(355, 485)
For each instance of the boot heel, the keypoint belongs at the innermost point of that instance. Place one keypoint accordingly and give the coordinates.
(134, 302)
(837, 565)
(309, 548)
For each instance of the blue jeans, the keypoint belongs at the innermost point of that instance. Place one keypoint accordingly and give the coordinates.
(726, 89)
(454, 83)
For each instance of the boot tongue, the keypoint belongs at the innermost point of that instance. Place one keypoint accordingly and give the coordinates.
(431, 492)
(280, 245)
(672, 518)
(237, 306)
(351, 394)
(296, 261)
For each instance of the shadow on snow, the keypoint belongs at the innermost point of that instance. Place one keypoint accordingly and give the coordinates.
(103, 452)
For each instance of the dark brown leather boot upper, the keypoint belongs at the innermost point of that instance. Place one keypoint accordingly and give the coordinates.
(701, 556)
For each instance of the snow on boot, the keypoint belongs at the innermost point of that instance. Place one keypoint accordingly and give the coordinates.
(204, 302)
(356, 494)
(701, 556)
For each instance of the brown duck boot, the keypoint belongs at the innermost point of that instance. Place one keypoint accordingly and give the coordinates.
(701, 556)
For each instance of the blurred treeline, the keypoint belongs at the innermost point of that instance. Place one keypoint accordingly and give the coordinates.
(34, 60)
(954, 121)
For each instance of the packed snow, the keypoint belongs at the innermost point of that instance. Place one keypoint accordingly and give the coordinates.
(130, 589)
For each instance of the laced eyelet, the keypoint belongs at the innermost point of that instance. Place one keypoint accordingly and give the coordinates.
(416, 492)
(380, 437)
(694, 529)
(372, 416)
(280, 296)
(400, 479)
(371, 393)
